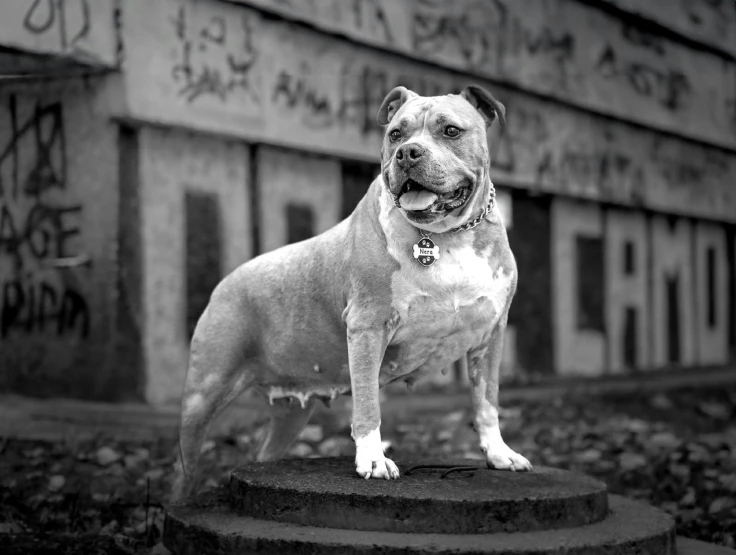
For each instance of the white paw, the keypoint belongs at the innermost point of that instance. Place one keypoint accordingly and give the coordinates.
(369, 459)
(502, 457)
(380, 468)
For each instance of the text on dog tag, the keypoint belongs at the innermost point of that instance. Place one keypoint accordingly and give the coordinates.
(426, 252)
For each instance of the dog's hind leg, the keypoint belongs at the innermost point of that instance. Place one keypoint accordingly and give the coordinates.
(288, 419)
(217, 374)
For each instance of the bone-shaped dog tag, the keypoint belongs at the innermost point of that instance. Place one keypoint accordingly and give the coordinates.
(426, 252)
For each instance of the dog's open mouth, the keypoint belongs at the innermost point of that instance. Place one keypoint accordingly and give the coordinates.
(414, 197)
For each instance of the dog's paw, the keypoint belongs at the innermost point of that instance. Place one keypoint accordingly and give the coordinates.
(505, 458)
(381, 468)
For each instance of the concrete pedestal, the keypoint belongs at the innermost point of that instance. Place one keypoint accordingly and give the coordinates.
(322, 506)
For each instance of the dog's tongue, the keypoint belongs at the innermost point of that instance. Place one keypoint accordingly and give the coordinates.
(417, 200)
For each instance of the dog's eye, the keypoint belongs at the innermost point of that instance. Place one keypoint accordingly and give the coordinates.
(395, 135)
(452, 131)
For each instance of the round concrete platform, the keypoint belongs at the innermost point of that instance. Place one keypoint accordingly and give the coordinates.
(207, 526)
(328, 493)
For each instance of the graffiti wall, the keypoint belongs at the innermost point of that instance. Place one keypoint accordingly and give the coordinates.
(302, 89)
(635, 291)
(562, 48)
(58, 170)
(80, 30)
(712, 22)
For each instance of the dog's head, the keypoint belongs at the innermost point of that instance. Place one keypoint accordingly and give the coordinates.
(434, 157)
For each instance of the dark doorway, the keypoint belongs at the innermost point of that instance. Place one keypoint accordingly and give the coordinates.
(204, 253)
(672, 317)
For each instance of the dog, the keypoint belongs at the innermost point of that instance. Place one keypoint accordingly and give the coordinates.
(418, 276)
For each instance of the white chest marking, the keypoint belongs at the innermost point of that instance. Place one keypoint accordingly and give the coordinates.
(459, 279)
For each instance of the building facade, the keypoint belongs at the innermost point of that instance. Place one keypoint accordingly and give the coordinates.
(148, 147)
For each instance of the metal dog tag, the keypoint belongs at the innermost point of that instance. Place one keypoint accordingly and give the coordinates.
(426, 252)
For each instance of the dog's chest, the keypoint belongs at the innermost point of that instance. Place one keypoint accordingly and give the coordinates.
(448, 308)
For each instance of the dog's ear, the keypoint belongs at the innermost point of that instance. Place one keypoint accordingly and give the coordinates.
(483, 101)
(391, 104)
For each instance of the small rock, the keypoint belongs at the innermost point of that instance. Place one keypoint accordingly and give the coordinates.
(638, 426)
(301, 450)
(728, 481)
(669, 506)
(631, 461)
(109, 529)
(455, 417)
(715, 410)
(661, 402)
(312, 433)
(336, 446)
(688, 499)
(56, 482)
(697, 453)
(141, 527)
(138, 456)
(34, 453)
(445, 435)
(106, 456)
(588, 456)
(721, 504)
(665, 440)
(154, 474)
(682, 471)
(10, 528)
(207, 446)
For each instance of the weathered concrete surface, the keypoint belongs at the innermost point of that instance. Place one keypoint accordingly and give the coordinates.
(62, 31)
(296, 87)
(58, 258)
(327, 493)
(562, 48)
(208, 527)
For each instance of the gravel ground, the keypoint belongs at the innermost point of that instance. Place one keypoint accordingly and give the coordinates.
(675, 450)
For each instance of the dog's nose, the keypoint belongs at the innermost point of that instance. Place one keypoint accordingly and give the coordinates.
(408, 155)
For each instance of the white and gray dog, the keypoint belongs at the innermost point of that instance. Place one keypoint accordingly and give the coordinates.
(418, 276)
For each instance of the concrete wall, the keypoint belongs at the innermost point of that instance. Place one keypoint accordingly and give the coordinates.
(577, 350)
(302, 89)
(287, 177)
(172, 164)
(711, 22)
(712, 295)
(673, 292)
(627, 291)
(74, 30)
(58, 223)
(567, 49)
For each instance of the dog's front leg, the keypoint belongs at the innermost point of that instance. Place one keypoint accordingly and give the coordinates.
(484, 371)
(365, 353)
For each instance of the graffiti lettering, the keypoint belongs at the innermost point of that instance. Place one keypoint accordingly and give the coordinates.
(486, 36)
(297, 91)
(70, 18)
(668, 87)
(362, 88)
(370, 17)
(607, 172)
(42, 307)
(206, 65)
(37, 228)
